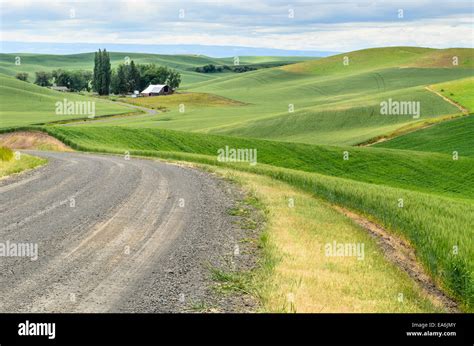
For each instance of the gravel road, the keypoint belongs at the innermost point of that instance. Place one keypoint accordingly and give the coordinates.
(114, 235)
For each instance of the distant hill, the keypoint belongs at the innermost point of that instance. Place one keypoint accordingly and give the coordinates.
(335, 103)
(385, 57)
(32, 63)
(169, 49)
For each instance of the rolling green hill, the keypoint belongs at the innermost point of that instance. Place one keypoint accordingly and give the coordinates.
(446, 137)
(334, 103)
(24, 103)
(320, 101)
(460, 91)
(377, 166)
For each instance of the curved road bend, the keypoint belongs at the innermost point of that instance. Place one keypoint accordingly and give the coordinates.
(113, 235)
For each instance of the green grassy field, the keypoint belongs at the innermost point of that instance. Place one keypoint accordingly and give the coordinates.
(377, 166)
(445, 137)
(318, 102)
(25, 103)
(460, 91)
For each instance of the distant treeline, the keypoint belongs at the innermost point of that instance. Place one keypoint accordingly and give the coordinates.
(126, 78)
(211, 68)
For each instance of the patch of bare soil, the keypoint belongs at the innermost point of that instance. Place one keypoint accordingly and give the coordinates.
(402, 254)
(35, 140)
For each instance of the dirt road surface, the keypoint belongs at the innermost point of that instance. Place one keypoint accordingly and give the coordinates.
(113, 235)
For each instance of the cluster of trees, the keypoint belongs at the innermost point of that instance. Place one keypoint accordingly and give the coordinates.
(211, 68)
(22, 76)
(44, 78)
(73, 80)
(126, 78)
(130, 77)
(243, 68)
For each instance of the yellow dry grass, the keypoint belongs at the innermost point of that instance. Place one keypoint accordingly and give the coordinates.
(32, 140)
(304, 279)
(189, 99)
(19, 164)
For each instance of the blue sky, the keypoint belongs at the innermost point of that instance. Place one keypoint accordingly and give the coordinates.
(291, 25)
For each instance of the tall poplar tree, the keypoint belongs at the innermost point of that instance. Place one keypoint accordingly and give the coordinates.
(97, 80)
(102, 72)
(133, 78)
(107, 72)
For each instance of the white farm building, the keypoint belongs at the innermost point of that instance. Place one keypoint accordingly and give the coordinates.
(156, 89)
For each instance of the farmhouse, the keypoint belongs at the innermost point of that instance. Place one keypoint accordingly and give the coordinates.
(156, 89)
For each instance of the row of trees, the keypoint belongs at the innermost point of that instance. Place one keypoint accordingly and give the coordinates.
(211, 68)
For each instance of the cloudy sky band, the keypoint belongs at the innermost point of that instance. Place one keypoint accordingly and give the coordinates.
(293, 25)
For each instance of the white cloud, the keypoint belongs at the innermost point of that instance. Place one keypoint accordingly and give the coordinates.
(323, 25)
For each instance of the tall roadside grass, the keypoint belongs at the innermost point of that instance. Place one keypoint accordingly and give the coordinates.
(294, 261)
(13, 166)
(439, 228)
(6, 154)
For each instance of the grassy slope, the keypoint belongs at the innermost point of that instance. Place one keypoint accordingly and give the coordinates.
(263, 59)
(296, 236)
(433, 222)
(331, 100)
(189, 100)
(445, 137)
(461, 91)
(25, 103)
(333, 103)
(379, 166)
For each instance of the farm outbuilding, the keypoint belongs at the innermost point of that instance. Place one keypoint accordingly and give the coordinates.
(156, 89)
